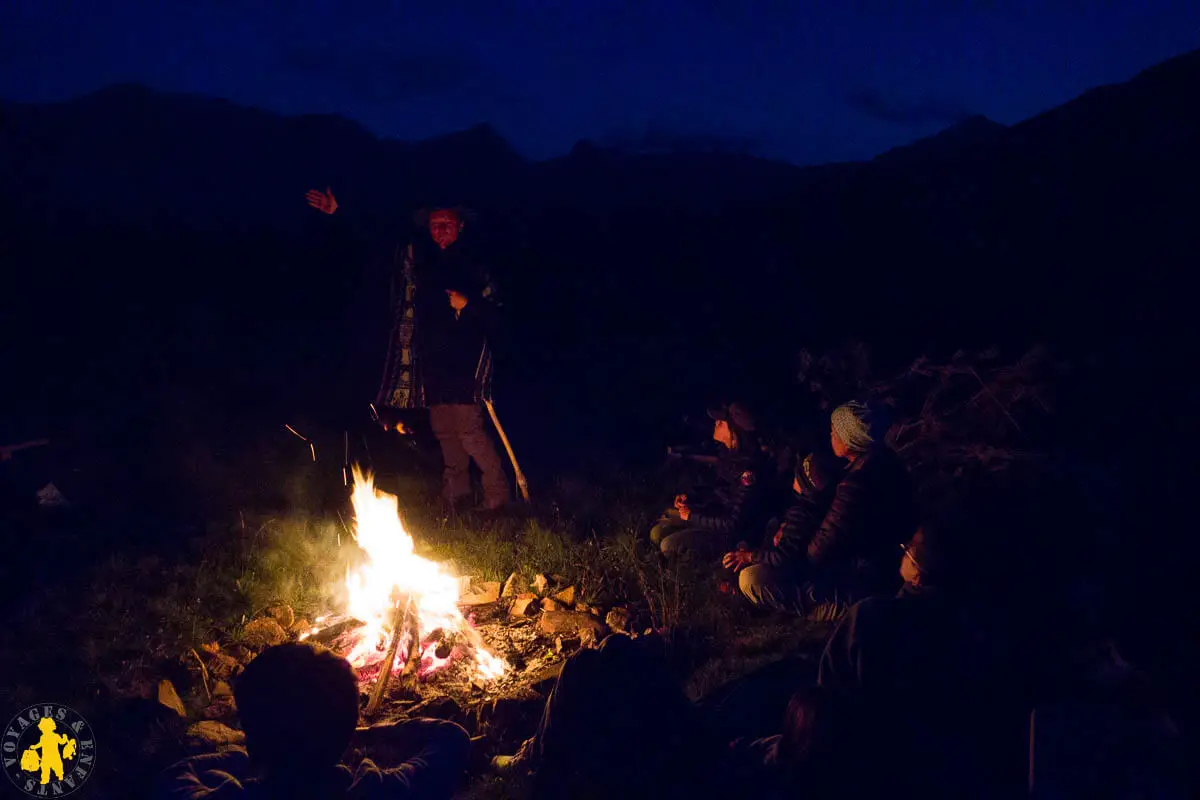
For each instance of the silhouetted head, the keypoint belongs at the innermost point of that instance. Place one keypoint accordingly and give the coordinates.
(298, 705)
(445, 224)
(938, 553)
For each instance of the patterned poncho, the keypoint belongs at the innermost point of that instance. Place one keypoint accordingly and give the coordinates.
(402, 386)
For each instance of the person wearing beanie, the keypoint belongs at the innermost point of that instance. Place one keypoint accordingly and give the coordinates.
(774, 576)
(873, 510)
(739, 506)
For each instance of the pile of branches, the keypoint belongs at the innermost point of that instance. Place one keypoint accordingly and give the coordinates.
(972, 416)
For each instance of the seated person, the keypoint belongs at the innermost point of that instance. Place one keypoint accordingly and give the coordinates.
(925, 659)
(853, 552)
(738, 505)
(298, 705)
(617, 724)
(776, 574)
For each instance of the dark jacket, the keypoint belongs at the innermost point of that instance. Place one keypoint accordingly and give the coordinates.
(873, 512)
(930, 669)
(799, 525)
(435, 357)
(740, 501)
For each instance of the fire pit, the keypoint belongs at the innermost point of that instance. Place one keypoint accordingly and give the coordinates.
(402, 617)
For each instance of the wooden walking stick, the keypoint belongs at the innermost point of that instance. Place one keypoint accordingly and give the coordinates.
(522, 485)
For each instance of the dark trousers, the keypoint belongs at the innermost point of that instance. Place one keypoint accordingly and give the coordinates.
(460, 432)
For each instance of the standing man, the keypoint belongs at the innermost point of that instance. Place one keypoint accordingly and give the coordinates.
(439, 355)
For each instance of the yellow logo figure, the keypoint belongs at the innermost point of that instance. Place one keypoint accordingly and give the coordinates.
(51, 760)
(48, 750)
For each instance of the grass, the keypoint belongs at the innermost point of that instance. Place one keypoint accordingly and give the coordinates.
(134, 617)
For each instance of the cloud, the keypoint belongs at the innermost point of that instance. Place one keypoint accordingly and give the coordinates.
(899, 110)
(380, 72)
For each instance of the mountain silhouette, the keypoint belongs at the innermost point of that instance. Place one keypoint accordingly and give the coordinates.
(162, 240)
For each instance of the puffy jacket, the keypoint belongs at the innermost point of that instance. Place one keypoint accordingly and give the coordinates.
(800, 524)
(873, 512)
(741, 502)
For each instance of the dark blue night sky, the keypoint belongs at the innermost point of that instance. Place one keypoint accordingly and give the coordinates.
(806, 81)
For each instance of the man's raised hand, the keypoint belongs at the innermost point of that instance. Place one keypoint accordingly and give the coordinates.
(324, 201)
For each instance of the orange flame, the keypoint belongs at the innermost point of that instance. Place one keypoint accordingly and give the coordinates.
(393, 570)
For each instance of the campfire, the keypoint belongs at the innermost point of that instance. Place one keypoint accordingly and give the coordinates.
(402, 612)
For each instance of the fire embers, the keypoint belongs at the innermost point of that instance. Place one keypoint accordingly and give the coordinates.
(394, 586)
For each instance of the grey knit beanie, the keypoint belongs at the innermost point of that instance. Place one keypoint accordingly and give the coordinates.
(859, 425)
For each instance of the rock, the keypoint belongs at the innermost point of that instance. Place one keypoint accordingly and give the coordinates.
(543, 680)
(570, 623)
(540, 583)
(488, 592)
(220, 708)
(283, 614)
(618, 619)
(595, 611)
(222, 689)
(50, 497)
(511, 586)
(262, 633)
(524, 607)
(170, 698)
(550, 604)
(242, 654)
(213, 734)
(301, 627)
(566, 596)
(223, 667)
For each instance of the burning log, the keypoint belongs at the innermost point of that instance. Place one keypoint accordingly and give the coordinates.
(385, 668)
(328, 634)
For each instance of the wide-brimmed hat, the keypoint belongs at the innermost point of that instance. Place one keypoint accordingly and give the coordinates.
(421, 218)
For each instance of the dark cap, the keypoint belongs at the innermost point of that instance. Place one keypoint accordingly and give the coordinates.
(734, 413)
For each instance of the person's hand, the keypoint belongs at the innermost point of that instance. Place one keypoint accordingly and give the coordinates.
(737, 559)
(458, 300)
(684, 512)
(778, 537)
(324, 201)
(680, 501)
